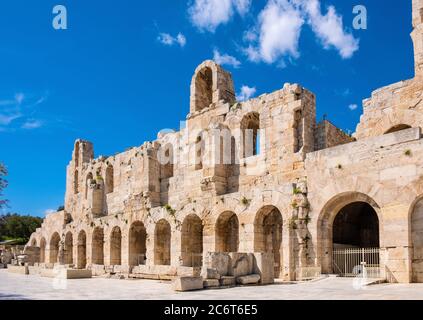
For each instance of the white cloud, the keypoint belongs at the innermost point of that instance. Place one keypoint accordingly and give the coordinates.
(277, 32)
(209, 14)
(169, 40)
(32, 124)
(353, 107)
(225, 59)
(279, 26)
(246, 93)
(22, 108)
(6, 119)
(49, 211)
(329, 28)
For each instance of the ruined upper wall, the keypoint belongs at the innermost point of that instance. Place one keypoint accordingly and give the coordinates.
(328, 135)
(195, 162)
(400, 105)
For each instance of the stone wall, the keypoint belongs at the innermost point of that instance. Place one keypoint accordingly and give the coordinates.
(247, 177)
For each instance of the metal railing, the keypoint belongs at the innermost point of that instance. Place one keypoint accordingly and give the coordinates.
(354, 261)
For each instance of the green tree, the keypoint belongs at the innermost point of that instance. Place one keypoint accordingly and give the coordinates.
(3, 184)
(14, 226)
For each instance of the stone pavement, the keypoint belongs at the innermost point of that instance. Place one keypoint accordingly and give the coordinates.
(13, 286)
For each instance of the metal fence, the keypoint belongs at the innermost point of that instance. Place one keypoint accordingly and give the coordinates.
(357, 261)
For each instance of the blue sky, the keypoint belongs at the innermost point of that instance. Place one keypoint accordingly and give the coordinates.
(120, 73)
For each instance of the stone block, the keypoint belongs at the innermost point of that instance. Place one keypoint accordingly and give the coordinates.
(63, 273)
(18, 269)
(250, 279)
(188, 284)
(208, 273)
(34, 271)
(263, 266)
(219, 261)
(242, 264)
(211, 283)
(227, 281)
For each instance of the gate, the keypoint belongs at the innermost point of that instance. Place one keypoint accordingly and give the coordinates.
(356, 261)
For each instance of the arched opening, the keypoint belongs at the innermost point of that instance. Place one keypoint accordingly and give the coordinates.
(68, 254)
(250, 129)
(82, 250)
(397, 128)
(33, 242)
(87, 184)
(167, 161)
(116, 247)
(356, 226)
(348, 232)
(54, 248)
(192, 241)
(227, 232)
(268, 234)
(76, 182)
(137, 244)
(43, 250)
(417, 242)
(162, 238)
(203, 89)
(109, 179)
(97, 252)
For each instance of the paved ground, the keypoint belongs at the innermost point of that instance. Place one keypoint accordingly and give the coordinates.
(13, 286)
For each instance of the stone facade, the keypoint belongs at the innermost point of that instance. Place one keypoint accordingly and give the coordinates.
(251, 177)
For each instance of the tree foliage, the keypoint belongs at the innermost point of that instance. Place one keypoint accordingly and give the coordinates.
(14, 226)
(3, 184)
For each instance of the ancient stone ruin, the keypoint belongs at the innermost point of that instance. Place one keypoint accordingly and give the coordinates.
(250, 191)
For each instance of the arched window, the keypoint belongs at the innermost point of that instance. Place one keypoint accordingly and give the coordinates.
(250, 129)
(109, 179)
(397, 128)
(203, 89)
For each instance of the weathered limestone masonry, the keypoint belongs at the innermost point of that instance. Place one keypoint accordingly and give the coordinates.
(287, 187)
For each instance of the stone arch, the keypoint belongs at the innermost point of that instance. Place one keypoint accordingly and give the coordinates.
(268, 225)
(250, 134)
(137, 244)
(54, 248)
(33, 242)
(192, 241)
(326, 221)
(227, 232)
(162, 243)
(203, 89)
(109, 179)
(43, 246)
(398, 127)
(97, 246)
(88, 179)
(209, 85)
(68, 253)
(82, 250)
(116, 247)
